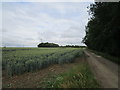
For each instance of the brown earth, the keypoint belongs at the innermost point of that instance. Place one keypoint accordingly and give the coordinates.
(105, 71)
(33, 79)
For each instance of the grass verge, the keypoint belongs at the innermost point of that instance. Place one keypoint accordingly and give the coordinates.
(78, 77)
(107, 56)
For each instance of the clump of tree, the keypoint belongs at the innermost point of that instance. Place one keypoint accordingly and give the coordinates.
(103, 28)
(75, 46)
(48, 45)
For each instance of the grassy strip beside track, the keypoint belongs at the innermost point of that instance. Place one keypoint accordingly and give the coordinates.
(79, 76)
(107, 56)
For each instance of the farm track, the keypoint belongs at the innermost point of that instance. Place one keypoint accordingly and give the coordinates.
(33, 79)
(105, 71)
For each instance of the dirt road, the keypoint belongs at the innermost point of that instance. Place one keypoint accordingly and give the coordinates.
(105, 71)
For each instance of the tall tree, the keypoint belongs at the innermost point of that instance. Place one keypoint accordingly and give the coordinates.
(103, 29)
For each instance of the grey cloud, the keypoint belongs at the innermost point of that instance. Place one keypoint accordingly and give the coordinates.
(47, 36)
(73, 32)
(4, 30)
(29, 39)
(28, 26)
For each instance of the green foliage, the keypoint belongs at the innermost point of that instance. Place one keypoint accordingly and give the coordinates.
(103, 29)
(75, 46)
(78, 77)
(18, 61)
(48, 45)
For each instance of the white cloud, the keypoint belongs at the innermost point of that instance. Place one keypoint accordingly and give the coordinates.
(50, 0)
(25, 24)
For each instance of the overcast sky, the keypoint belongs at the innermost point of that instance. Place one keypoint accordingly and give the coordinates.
(29, 23)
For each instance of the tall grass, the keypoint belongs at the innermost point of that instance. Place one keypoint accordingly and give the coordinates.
(78, 77)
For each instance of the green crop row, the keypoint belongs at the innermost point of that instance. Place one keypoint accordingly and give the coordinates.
(15, 64)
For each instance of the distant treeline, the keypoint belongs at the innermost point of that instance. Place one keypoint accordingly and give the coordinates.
(103, 28)
(56, 45)
(75, 46)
